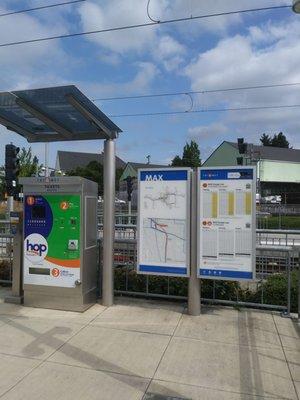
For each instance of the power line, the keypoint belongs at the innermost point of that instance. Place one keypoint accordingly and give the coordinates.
(122, 28)
(142, 96)
(205, 111)
(40, 8)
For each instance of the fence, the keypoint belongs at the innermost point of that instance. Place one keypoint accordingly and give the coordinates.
(281, 209)
(275, 287)
(277, 257)
(6, 257)
(4, 226)
(126, 225)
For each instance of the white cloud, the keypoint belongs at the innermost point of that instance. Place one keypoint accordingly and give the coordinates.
(219, 25)
(266, 54)
(164, 48)
(145, 74)
(169, 52)
(113, 13)
(237, 60)
(204, 132)
(27, 65)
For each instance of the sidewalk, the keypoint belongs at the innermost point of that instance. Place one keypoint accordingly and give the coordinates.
(141, 349)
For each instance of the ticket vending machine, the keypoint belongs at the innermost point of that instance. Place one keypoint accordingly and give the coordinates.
(60, 242)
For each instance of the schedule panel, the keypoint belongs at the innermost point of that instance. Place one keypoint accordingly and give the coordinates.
(226, 223)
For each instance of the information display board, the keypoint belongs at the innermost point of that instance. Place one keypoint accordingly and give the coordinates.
(163, 221)
(226, 223)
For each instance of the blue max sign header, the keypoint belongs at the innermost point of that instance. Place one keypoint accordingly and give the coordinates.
(168, 175)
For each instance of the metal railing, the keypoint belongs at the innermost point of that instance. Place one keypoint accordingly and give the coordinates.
(278, 237)
(4, 226)
(125, 228)
(272, 263)
(6, 257)
(282, 209)
(277, 256)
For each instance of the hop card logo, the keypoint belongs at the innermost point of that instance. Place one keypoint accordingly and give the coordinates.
(36, 248)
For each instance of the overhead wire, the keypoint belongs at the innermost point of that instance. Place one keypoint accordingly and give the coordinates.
(142, 96)
(205, 111)
(147, 24)
(41, 7)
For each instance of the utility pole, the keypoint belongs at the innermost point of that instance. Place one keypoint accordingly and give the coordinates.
(129, 181)
(12, 170)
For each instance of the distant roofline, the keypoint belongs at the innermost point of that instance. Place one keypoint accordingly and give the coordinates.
(224, 141)
(145, 164)
(78, 152)
(272, 149)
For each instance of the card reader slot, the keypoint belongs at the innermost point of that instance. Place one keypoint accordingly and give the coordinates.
(39, 271)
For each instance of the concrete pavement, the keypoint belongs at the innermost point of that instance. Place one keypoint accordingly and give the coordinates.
(147, 350)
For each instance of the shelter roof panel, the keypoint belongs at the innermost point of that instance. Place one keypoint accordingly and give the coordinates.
(54, 114)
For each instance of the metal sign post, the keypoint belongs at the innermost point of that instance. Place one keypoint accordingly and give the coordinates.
(108, 222)
(194, 285)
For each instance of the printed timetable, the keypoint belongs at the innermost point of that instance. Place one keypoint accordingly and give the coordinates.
(226, 225)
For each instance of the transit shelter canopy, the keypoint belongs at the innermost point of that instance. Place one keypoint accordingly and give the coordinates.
(54, 114)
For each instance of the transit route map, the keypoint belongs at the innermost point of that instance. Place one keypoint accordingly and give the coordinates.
(164, 240)
(163, 227)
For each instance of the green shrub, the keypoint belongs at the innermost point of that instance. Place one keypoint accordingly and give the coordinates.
(5, 270)
(273, 290)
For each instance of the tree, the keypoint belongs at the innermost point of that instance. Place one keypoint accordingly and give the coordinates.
(266, 140)
(94, 172)
(29, 164)
(177, 162)
(278, 140)
(190, 156)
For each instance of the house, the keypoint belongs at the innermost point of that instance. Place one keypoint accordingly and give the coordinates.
(278, 169)
(131, 169)
(70, 160)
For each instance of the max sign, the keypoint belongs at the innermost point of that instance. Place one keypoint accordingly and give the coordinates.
(154, 178)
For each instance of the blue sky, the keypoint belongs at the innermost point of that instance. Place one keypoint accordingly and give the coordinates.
(238, 50)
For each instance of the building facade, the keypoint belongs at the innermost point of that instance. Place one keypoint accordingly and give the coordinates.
(278, 169)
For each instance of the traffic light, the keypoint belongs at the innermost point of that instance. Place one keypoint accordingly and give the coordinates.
(129, 181)
(12, 168)
(242, 146)
(240, 160)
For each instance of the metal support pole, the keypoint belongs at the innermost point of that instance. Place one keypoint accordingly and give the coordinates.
(298, 290)
(108, 222)
(10, 204)
(129, 212)
(46, 159)
(287, 313)
(289, 286)
(194, 293)
(16, 296)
